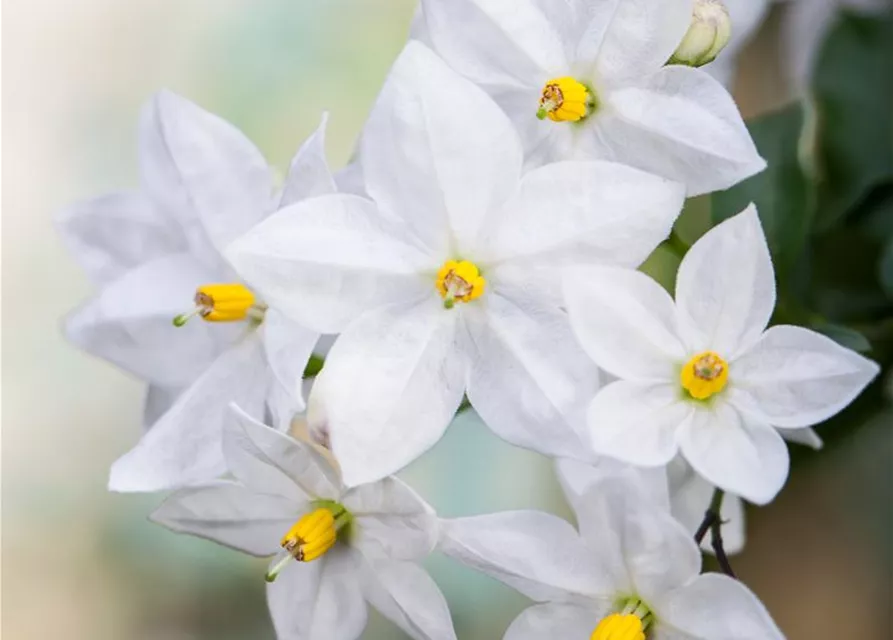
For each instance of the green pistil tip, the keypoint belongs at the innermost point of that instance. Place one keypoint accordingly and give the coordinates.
(541, 113)
(181, 319)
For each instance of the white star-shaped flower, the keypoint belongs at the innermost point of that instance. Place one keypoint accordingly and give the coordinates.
(157, 253)
(335, 548)
(446, 280)
(631, 572)
(589, 79)
(703, 375)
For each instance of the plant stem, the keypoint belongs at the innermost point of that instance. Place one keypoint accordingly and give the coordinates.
(712, 522)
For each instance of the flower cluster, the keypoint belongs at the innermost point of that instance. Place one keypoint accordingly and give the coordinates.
(521, 162)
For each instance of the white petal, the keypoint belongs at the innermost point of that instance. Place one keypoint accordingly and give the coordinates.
(158, 400)
(309, 175)
(738, 453)
(681, 124)
(318, 600)
(288, 347)
(230, 514)
(715, 606)
(184, 446)
(629, 38)
(405, 594)
(725, 288)
(496, 42)
(797, 377)
(438, 153)
(806, 437)
(536, 553)
(577, 478)
(391, 521)
(558, 621)
(115, 233)
(350, 179)
(637, 422)
(528, 380)
(226, 178)
(625, 321)
(272, 462)
(130, 323)
(390, 387)
(584, 213)
(325, 260)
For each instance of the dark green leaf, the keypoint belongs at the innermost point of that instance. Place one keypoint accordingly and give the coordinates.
(845, 336)
(886, 269)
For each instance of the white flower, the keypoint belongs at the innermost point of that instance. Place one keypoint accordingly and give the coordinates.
(152, 252)
(708, 34)
(447, 280)
(704, 375)
(337, 548)
(632, 569)
(588, 79)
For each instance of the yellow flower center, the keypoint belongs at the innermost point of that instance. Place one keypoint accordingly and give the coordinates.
(704, 375)
(619, 626)
(565, 100)
(222, 303)
(311, 537)
(459, 281)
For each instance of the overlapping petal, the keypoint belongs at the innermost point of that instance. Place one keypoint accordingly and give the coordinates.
(309, 174)
(558, 621)
(288, 347)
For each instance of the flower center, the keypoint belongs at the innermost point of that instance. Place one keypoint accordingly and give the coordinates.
(459, 281)
(628, 624)
(312, 536)
(704, 375)
(565, 100)
(223, 303)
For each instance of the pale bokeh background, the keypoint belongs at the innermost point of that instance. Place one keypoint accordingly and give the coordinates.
(83, 564)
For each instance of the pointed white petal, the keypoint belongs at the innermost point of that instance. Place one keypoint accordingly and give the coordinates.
(498, 43)
(272, 462)
(584, 213)
(230, 514)
(637, 422)
(555, 620)
(438, 153)
(309, 175)
(681, 124)
(796, 377)
(528, 380)
(625, 321)
(390, 387)
(736, 452)
(130, 323)
(536, 553)
(115, 233)
(225, 177)
(629, 38)
(325, 260)
(404, 593)
(725, 288)
(185, 445)
(715, 606)
(806, 437)
(288, 346)
(318, 600)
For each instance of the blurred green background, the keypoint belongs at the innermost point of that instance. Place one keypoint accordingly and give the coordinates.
(83, 564)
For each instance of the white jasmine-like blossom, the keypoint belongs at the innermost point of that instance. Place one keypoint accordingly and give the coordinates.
(704, 376)
(156, 254)
(631, 572)
(589, 79)
(446, 280)
(335, 548)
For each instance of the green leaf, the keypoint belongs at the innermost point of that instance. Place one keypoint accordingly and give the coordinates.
(886, 269)
(845, 336)
(782, 192)
(853, 87)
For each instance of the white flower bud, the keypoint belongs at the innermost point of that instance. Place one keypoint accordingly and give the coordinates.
(708, 34)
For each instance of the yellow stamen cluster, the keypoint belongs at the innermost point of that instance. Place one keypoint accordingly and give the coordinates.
(704, 375)
(220, 303)
(565, 100)
(459, 281)
(619, 626)
(313, 535)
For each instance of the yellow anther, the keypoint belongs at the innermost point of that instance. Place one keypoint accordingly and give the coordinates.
(619, 626)
(220, 303)
(704, 375)
(565, 100)
(459, 281)
(312, 535)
